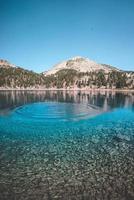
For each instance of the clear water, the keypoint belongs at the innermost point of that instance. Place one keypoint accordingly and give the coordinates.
(66, 145)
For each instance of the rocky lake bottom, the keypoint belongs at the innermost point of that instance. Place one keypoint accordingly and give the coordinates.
(66, 146)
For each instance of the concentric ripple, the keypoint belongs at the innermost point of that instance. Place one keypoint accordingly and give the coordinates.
(53, 111)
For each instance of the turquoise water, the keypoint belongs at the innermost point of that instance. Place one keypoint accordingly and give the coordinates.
(66, 145)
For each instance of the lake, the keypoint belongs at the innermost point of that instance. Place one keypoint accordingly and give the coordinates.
(66, 145)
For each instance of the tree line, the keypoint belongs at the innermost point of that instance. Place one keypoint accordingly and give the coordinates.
(20, 78)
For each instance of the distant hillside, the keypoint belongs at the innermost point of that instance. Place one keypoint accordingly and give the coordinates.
(70, 75)
(16, 77)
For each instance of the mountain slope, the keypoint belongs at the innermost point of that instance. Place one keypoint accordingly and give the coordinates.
(80, 64)
(16, 77)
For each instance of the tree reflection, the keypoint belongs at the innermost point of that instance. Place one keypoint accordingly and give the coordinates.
(105, 100)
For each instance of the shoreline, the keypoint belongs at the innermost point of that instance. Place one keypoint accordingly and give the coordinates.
(69, 89)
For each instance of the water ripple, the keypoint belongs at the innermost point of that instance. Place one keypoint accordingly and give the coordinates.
(53, 111)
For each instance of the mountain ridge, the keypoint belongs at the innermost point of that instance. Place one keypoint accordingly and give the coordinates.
(6, 64)
(76, 73)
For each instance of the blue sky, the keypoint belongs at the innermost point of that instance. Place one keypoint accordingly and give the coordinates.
(36, 34)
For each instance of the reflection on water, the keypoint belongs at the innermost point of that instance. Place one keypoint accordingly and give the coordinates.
(102, 100)
(51, 148)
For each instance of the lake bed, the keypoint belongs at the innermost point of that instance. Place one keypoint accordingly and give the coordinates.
(66, 145)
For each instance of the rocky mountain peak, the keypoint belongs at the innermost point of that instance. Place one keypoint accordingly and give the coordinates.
(77, 58)
(79, 64)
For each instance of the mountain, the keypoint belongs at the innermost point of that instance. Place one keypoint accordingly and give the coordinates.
(12, 76)
(76, 73)
(81, 64)
(5, 64)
